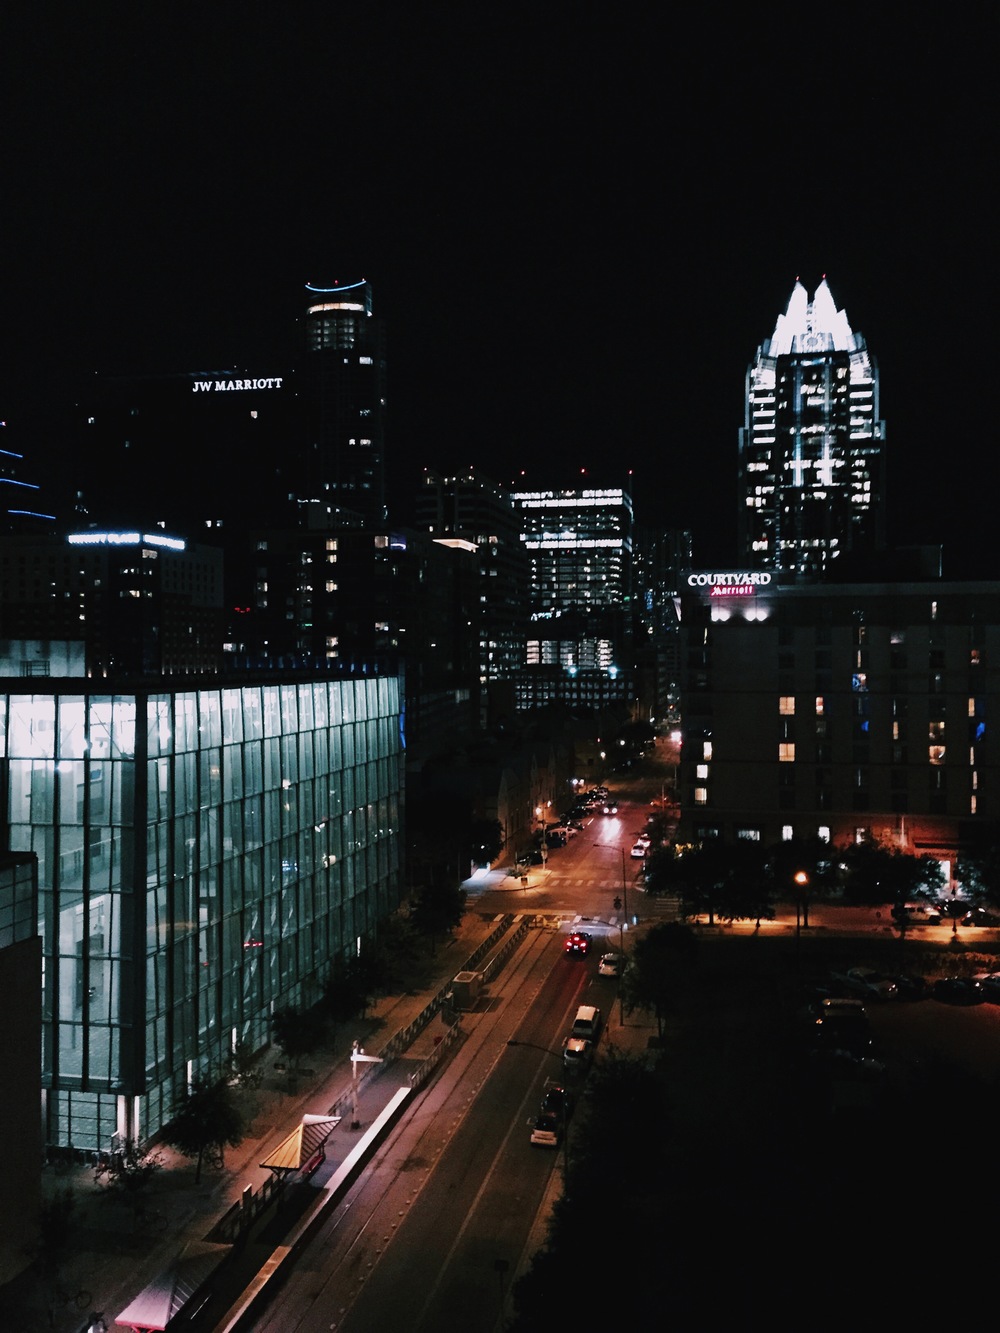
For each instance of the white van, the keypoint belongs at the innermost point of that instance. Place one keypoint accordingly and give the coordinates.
(587, 1022)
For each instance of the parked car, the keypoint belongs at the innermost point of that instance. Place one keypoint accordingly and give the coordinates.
(958, 990)
(989, 986)
(911, 986)
(557, 1101)
(918, 914)
(577, 1052)
(547, 1130)
(610, 965)
(638, 851)
(577, 944)
(869, 984)
(978, 916)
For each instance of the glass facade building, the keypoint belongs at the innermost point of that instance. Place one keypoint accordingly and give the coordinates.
(204, 855)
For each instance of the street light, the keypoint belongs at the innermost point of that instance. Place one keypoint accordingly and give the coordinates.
(801, 881)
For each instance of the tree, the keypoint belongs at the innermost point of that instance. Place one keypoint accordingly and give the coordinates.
(711, 877)
(485, 841)
(299, 1032)
(127, 1176)
(803, 869)
(978, 872)
(438, 909)
(657, 964)
(876, 873)
(206, 1120)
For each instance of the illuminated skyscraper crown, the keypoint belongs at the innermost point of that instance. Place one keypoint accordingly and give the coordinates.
(812, 326)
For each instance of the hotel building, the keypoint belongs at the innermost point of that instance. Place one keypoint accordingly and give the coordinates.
(839, 710)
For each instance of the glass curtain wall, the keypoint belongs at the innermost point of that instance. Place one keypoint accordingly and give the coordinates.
(203, 857)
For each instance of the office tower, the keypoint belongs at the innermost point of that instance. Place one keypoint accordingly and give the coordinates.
(812, 447)
(660, 558)
(475, 513)
(205, 855)
(579, 546)
(344, 387)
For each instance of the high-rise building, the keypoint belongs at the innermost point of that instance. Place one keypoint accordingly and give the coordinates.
(344, 382)
(579, 637)
(812, 447)
(476, 512)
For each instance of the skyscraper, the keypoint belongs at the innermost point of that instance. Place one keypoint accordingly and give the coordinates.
(345, 395)
(812, 447)
(579, 544)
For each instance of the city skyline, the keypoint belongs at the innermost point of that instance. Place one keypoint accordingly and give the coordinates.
(577, 231)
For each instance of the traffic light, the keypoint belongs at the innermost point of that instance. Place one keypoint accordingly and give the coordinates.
(618, 904)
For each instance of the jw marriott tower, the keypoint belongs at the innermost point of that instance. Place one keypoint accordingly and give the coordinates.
(812, 447)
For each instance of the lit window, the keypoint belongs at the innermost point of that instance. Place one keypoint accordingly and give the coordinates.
(786, 752)
(823, 833)
(819, 705)
(787, 833)
(935, 753)
(701, 795)
(706, 750)
(701, 772)
(786, 705)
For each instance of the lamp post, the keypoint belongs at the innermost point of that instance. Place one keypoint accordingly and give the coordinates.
(801, 881)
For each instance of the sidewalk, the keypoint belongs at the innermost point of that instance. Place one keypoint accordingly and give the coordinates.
(112, 1261)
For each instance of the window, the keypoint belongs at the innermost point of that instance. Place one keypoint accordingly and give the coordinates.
(935, 754)
(701, 795)
(786, 705)
(820, 706)
(748, 834)
(701, 772)
(787, 833)
(786, 752)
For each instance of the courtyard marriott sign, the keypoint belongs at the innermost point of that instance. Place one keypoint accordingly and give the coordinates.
(734, 583)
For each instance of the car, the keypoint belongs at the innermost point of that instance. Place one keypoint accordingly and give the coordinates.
(555, 837)
(577, 944)
(547, 1130)
(638, 851)
(978, 916)
(958, 990)
(644, 838)
(557, 1102)
(610, 807)
(610, 965)
(869, 984)
(989, 985)
(918, 914)
(911, 986)
(577, 1052)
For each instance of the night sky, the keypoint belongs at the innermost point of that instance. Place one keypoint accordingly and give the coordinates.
(579, 221)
